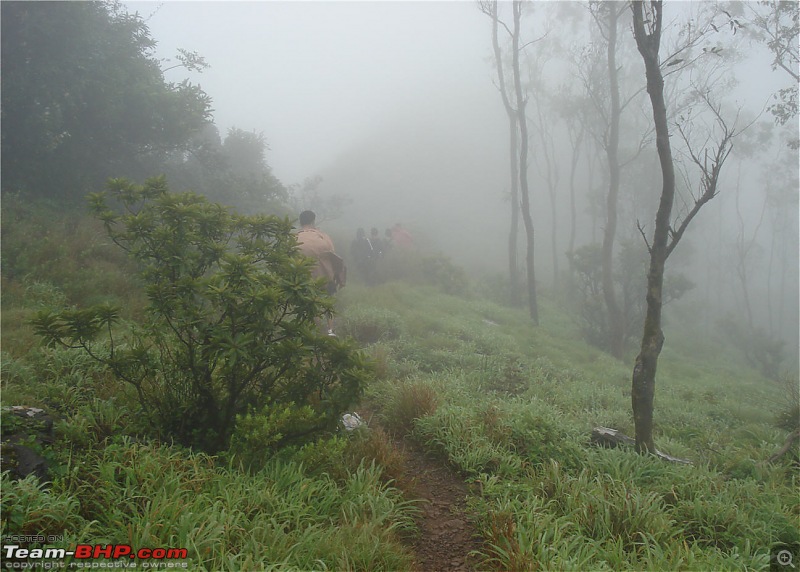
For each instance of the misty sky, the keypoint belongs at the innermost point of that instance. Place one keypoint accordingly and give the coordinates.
(316, 77)
(392, 103)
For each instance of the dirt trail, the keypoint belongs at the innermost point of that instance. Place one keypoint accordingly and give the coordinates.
(446, 535)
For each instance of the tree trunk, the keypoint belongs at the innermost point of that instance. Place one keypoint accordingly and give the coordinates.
(616, 323)
(523, 168)
(644, 371)
(513, 233)
(573, 212)
(513, 266)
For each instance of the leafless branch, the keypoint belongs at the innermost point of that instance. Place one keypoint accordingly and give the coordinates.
(710, 164)
(644, 236)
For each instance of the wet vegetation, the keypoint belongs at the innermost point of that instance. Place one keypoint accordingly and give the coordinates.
(510, 406)
(166, 381)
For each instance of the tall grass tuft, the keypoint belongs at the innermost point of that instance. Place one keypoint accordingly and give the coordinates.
(406, 403)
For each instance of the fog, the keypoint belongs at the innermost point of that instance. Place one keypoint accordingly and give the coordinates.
(395, 106)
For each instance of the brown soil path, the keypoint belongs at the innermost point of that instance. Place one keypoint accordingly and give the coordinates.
(446, 536)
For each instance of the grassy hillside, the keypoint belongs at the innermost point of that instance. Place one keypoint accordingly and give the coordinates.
(510, 406)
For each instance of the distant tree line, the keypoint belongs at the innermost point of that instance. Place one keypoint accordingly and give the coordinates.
(84, 98)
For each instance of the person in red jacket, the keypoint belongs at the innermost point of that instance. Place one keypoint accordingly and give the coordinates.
(314, 243)
(401, 237)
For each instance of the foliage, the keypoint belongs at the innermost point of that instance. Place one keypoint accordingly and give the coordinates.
(440, 271)
(84, 97)
(341, 455)
(28, 508)
(227, 520)
(52, 257)
(630, 277)
(232, 171)
(307, 196)
(543, 498)
(514, 408)
(231, 324)
(776, 24)
(408, 402)
(788, 416)
(369, 325)
(761, 350)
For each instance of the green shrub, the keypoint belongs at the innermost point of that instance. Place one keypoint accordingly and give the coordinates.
(231, 322)
(440, 271)
(30, 509)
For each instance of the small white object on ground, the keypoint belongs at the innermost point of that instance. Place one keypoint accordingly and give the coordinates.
(351, 421)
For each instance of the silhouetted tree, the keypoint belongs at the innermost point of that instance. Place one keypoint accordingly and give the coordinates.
(84, 98)
(527, 220)
(776, 23)
(647, 28)
(490, 9)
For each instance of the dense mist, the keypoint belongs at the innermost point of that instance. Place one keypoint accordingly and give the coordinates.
(394, 107)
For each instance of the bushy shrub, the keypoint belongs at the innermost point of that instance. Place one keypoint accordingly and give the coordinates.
(231, 321)
(761, 350)
(630, 277)
(440, 271)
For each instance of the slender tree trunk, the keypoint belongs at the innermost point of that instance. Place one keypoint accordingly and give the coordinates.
(513, 235)
(523, 168)
(644, 371)
(573, 216)
(616, 323)
(552, 177)
(554, 240)
(573, 213)
(665, 237)
(770, 268)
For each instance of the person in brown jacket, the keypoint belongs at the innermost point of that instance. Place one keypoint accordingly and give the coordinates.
(314, 243)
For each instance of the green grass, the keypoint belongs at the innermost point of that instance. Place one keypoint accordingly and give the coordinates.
(516, 405)
(509, 406)
(147, 495)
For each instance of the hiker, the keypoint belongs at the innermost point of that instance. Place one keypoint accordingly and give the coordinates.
(401, 237)
(387, 242)
(364, 256)
(377, 243)
(314, 243)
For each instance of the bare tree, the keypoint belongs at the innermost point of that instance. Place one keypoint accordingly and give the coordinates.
(490, 9)
(518, 106)
(602, 84)
(548, 165)
(616, 321)
(647, 28)
(523, 164)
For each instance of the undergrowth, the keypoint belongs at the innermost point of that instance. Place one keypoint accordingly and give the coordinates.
(514, 410)
(509, 406)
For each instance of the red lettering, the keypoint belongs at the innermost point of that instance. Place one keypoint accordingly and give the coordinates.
(177, 553)
(83, 551)
(121, 550)
(105, 551)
